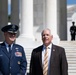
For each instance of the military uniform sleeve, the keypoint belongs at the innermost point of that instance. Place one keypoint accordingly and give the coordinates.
(23, 63)
(32, 69)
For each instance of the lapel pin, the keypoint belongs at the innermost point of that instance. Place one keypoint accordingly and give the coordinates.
(16, 49)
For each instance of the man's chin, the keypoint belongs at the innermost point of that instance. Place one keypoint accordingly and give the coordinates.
(12, 40)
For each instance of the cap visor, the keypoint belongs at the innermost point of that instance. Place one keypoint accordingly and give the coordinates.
(12, 31)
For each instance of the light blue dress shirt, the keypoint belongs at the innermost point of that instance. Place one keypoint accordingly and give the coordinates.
(8, 47)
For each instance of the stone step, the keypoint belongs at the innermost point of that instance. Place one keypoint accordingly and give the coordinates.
(71, 62)
(72, 74)
(71, 59)
(71, 65)
(71, 70)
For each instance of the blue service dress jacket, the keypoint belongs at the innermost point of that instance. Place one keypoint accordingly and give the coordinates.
(15, 64)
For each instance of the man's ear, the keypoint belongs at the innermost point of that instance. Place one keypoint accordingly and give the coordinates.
(51, 36)
(4, 33)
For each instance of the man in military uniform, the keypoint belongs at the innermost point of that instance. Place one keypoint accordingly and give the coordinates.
(73, 31)
(12, 56)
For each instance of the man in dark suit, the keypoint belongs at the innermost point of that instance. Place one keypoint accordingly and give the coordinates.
(12, 56)
(73, 31)
(57, 62)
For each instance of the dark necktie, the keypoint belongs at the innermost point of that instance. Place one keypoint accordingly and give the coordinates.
(9, 49)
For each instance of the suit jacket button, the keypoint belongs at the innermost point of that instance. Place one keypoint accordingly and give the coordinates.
(10, 74)
(10, 67)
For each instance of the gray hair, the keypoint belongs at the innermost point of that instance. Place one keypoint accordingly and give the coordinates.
(46, 29)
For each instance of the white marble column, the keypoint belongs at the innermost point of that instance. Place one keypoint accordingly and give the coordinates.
(26, 38)
(69, 24)
(51, 18)
(26, 20)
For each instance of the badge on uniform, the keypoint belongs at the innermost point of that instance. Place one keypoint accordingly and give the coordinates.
(18, 54)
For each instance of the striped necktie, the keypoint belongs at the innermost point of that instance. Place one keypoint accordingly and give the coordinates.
(45, 65)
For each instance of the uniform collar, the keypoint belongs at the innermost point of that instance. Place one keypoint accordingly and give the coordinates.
(8, 44)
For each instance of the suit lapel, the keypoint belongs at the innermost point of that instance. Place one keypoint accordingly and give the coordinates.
(40, 56)
(52, 54)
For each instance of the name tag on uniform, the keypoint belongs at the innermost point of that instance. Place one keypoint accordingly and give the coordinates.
(18, 54)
